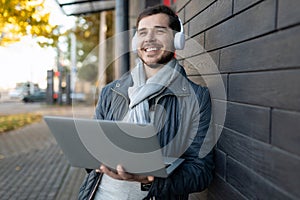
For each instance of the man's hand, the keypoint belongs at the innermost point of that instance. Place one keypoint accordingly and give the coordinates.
(120, 174)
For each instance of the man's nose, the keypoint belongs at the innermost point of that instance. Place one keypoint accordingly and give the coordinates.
(150, 36)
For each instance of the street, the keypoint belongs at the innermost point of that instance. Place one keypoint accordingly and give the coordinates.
(17, 106)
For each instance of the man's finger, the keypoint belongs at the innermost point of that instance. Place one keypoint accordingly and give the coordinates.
(150, 178)
(124, 175)
(109, 172)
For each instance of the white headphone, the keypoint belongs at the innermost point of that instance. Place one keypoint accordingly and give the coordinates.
(179, 39)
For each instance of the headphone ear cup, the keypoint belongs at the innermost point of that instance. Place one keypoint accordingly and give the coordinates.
(179, 41)
(134, 43)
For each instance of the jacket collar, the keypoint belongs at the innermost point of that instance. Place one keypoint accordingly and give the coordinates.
(179, 87)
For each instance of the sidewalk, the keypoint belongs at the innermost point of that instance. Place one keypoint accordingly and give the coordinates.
(32, 166)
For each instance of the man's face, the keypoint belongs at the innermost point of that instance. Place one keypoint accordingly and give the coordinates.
(155, 40)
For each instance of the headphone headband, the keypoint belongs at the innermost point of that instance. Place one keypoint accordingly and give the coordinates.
(181, 25)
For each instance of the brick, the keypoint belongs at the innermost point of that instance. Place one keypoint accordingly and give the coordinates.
(217, 85)
(243, 26)
(273, 164)
(198, 195)
(217, 12)
(199, 38)
(193, 46)
(219, 113)
(253, 121)
(181, 15)
(71, 184)
(215, 82)
(220, 163)
(195, 7)
(288, 12)
(278, 89)
(285, 130)
(240, 5)
(250, 184)
(41, 163)
(203, 64)
(181, 4)
(219, 190)
(14, 177)
(274, 51)
(186, 28)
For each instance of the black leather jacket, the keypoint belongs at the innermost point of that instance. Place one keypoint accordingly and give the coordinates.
(187, 113)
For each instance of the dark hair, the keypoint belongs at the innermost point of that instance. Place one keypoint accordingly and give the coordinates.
(174, 22)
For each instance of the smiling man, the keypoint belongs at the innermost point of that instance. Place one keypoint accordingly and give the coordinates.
(155, 42)
(156, 91)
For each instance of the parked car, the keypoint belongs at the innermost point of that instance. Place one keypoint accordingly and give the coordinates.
(17, 93)
(35, 97)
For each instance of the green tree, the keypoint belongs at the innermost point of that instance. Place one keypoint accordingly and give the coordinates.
(26, 17)
(88, 72)
(87, 34)
(87, 37)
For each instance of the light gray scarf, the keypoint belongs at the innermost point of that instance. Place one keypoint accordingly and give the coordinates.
(142, 89)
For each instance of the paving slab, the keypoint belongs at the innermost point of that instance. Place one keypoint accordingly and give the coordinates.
(32, 166)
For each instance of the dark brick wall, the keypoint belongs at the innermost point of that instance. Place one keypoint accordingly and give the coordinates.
(255, 47)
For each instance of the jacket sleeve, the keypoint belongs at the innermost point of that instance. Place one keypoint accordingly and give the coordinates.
(102, 104)
(195, 174)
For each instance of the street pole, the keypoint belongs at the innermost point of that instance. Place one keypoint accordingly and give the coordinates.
(122, 39)
(50, 93)
(102, 51)
(59, 69)
(73, 62)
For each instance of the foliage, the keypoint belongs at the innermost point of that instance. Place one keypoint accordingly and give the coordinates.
(12, 122)
(89, 73)
(26, 17)
(87, 36)
(110, 32)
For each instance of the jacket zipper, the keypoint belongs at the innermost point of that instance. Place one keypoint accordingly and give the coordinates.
(127, 101)
(96, 186)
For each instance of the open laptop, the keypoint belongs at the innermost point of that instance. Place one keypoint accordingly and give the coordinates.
(87, 143)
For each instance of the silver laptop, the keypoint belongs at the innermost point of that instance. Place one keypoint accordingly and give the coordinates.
(88, 143)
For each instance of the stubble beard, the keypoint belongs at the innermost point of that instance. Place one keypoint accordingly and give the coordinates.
(162, 61)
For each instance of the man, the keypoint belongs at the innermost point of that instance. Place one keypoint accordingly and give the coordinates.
(156, 91)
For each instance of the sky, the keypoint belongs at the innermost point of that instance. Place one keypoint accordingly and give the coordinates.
(27, 61)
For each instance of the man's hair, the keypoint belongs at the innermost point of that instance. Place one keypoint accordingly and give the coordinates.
(174, 22)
